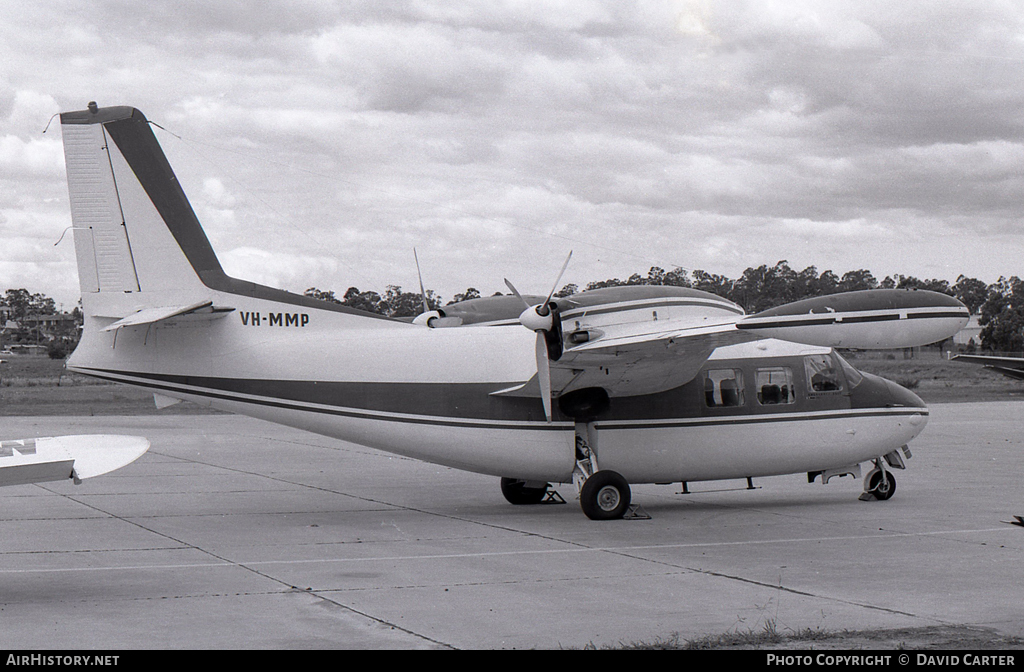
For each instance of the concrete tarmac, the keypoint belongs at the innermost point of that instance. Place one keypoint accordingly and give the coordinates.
(233, 533)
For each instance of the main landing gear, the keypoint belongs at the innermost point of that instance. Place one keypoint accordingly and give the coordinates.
(604, 494)
(520, 492)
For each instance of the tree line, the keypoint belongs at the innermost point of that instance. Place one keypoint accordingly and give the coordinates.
(1000, 305)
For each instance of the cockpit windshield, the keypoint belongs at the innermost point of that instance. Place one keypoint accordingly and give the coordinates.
(853, 376)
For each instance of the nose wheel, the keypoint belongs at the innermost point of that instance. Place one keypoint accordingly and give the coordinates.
(880, 484)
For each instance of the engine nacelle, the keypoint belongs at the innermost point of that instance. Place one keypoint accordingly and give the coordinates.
(436, 319)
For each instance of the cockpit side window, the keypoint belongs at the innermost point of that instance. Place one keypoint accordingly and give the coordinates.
(774, 385)
(822, 374)
(723, 388)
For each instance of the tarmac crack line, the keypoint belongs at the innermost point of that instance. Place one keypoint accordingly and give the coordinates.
(227, 562)
(778, 587)
(575, 547)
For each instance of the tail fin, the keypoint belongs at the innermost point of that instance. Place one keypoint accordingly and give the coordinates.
(139, 245)
(134, 228)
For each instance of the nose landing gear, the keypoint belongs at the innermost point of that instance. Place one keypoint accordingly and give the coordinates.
(879, 484)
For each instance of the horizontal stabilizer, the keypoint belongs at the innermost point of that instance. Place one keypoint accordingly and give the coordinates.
(66, 457)
(160, 313)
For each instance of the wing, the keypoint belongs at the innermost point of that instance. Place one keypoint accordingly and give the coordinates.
(66, 457)
(636, 340)
(647, 341)
(1012, 367)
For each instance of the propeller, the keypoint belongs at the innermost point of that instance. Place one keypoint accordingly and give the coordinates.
(434, 319)
(543, 319)
(423, 292)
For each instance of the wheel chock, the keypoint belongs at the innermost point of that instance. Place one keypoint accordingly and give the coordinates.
(552, 497)
(636, 512)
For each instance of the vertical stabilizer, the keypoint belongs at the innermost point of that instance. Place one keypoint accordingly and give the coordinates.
(138, 241)
(135, 231)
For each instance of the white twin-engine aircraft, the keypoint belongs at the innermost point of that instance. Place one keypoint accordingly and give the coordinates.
(620, 385)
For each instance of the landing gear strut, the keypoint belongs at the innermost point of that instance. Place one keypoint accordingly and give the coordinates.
(604, 495)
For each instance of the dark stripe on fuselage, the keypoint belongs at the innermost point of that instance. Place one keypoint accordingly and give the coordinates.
(470, 405)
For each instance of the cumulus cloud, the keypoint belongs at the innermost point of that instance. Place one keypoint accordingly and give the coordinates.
(287, 271)
(494, 136)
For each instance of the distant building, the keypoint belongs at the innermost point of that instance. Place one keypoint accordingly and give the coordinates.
(971, 331)
(49, 323)
(36, 328)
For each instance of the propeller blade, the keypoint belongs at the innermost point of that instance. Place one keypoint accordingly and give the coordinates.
(516, 292)
(423, 292)
(555, 286)
(544, 373)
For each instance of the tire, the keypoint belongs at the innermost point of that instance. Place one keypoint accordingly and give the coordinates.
(516, 492)
(882, 484)
(605, 496)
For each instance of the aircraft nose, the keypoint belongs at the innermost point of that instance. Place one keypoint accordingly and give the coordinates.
(877, 392)
(901, 396)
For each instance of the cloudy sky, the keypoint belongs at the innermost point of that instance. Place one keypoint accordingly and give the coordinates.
(320, 142)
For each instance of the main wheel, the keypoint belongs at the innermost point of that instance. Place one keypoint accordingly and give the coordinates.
(882, 484)
(516, 492)
(605, 496)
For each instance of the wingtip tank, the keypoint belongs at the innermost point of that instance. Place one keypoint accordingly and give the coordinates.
(869, 319)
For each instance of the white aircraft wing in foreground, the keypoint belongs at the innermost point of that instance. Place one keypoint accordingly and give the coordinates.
(59, 458)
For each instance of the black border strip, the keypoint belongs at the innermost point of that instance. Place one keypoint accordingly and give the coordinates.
(840, 318)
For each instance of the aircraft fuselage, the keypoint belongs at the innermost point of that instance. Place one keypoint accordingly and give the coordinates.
(407, 389)
(609, 386)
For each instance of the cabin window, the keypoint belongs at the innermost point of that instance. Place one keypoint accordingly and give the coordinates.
(774, 385)
(723, 388)
(822, 374)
